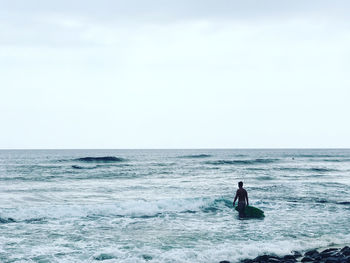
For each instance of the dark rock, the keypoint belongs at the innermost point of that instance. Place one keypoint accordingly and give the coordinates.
(297, 254)
(263, 258)
(329, 250)
(339, 255)
(345, 251)
(344, 260)
(289, 258)
(327, 255)
(333, 260)
(312, 253)
(224, 261)
(273, 260)
(274, 257)
(330, 255)
(307, 259)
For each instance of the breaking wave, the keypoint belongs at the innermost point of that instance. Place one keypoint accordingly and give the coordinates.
(196, 156)
(6, 220)
(316, 200)
(133, 209)
(314, 155)
(100, 159)
(336, 160)
(242, 162)
(83, 167)
(322, 170)
(313, 169)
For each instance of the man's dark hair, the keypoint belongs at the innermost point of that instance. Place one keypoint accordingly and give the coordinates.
(240, 184)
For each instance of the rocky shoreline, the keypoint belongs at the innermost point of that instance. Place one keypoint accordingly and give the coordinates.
(330, 255)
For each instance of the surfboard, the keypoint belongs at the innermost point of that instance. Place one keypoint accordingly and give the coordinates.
(252, 212)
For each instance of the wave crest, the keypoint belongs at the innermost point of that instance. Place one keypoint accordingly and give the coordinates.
(242, 162)
(313, 169)
(194, 156)
(82, 167)
(336, 160)
(100, 159)
(6, 220)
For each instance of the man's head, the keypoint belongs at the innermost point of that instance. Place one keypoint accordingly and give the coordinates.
(240, 184)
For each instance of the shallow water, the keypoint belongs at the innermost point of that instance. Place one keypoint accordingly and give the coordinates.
(169, 205)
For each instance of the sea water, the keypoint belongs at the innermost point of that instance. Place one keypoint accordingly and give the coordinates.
(169, 205)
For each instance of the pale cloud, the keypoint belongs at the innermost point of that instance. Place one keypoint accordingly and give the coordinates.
(183, 74)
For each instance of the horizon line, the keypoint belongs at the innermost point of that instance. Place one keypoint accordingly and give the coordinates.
(219, 148)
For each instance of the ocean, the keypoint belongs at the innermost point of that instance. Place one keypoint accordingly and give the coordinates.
(169, 205)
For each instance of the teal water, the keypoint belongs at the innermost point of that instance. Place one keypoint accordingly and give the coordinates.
(169, 205)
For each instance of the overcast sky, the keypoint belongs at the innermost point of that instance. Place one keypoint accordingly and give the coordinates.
(174, 74)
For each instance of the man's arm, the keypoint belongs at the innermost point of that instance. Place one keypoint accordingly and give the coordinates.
(246, 196)
(234, 201)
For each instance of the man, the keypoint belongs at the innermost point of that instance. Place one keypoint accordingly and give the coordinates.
(242, 196)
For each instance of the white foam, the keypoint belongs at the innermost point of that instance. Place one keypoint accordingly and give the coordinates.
(232, 251)
(134, 208)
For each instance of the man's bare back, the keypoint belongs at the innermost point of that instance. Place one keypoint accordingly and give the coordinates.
(242, 196)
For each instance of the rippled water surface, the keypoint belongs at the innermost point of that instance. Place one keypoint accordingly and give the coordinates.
(169, 205)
